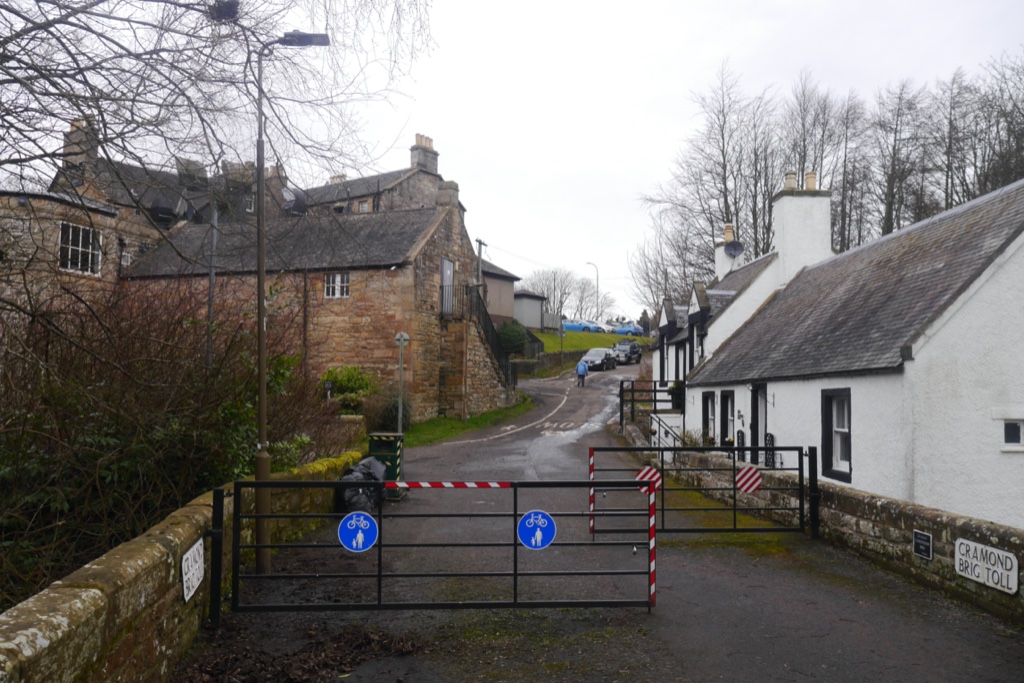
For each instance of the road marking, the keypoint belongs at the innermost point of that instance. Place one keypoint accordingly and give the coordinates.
(518, 429)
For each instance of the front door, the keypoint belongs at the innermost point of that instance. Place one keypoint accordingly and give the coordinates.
(447, 287)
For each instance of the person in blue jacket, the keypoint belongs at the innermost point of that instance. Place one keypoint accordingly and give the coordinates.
(581, 373)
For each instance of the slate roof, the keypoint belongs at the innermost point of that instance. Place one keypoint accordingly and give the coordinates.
(348, 241)
(721, 294)
(357, 187)
(528, 293)
(853, 313)
(491, 269)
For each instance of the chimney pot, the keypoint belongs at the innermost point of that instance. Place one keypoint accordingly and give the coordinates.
(790, 180)
(811, 181)
(729, 236)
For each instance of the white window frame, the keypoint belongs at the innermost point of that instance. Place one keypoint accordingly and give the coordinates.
(364, 206)
(250, 204)
(837, 434)
(336, 285)
(841, 433)
(81, 249)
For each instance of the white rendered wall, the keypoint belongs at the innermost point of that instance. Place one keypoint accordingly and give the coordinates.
(879, 420)
(742, 307)
(967, 376)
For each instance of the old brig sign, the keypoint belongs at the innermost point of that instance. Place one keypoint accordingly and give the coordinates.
(987, 565)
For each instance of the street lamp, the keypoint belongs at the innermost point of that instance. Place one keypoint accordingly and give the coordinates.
(402, 339)
(289, 39)
(597, 290)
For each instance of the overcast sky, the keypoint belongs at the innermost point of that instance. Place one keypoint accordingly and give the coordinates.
(555, 117)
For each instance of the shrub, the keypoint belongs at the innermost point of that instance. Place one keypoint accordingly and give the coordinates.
(381, 412)
(513, 336)
(350, 386)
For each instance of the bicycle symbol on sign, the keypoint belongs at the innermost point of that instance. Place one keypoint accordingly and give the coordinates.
(358, 521)
(536, 519)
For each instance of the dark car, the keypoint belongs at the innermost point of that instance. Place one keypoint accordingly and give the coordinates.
(600, 359)
(627, 351)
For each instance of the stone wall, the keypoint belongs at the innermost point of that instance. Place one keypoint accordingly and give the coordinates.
(878, 528)
(122, 617)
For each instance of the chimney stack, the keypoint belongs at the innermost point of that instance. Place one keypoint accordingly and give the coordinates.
(338, 179)
(723, 262)
(802, 223)
(423, 154)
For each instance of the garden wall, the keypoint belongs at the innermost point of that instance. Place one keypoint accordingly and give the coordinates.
(123, 616)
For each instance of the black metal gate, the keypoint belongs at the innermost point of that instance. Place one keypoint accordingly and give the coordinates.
(702, 490)
(447, 545)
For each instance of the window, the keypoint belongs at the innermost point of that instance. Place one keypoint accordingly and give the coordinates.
(364, 206)
(836, 443)
(336, 286)
(250, 204)
(79, 249)
(707, 402)
(1013, 432)
(728, 423)
(126, 258)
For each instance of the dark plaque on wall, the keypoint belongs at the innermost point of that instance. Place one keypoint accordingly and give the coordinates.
(922, 544)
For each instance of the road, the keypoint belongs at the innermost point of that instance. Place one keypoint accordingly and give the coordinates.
(775, 607)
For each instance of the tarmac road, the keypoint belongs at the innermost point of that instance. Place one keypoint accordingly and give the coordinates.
(772, 607)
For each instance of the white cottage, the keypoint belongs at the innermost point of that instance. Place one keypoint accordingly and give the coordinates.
(901, 359)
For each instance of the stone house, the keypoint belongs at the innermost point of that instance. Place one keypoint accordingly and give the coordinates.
(897, 359)
(359, 261)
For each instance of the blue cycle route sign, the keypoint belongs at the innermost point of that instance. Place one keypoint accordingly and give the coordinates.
(358, 532)
(536, 530)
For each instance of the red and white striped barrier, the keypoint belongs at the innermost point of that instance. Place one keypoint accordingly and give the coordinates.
(650, 474)
(591, 492)
(652, 542)
(748, 479)
(448, 484)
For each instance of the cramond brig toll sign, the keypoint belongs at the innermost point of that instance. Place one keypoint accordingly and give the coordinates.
(987, 565)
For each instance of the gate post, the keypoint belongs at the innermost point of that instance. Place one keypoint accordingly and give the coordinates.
(622, 408)
(815, 493)
(216, 534)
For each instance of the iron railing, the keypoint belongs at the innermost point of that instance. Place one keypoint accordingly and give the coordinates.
(709, 496)
(465, 303)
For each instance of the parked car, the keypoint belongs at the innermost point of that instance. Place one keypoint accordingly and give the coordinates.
(600, 359)
(627, 351)
(630, 328)
(573, 325)
(606, 328)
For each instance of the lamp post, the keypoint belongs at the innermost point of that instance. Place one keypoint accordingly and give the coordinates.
(597, 290)
(402, 339)
(262, 473)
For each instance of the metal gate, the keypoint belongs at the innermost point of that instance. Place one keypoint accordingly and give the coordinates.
(446, 545)
(702, 490)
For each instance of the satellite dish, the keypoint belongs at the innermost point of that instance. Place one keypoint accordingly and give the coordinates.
(733, 249)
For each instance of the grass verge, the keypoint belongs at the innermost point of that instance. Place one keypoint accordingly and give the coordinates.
(441, 428)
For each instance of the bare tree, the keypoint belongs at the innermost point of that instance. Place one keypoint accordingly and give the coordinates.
(179, 79)
(897, 123)
(554, 283)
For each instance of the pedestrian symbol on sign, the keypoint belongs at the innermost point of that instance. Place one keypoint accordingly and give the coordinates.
(358, 532)
(536, 530)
